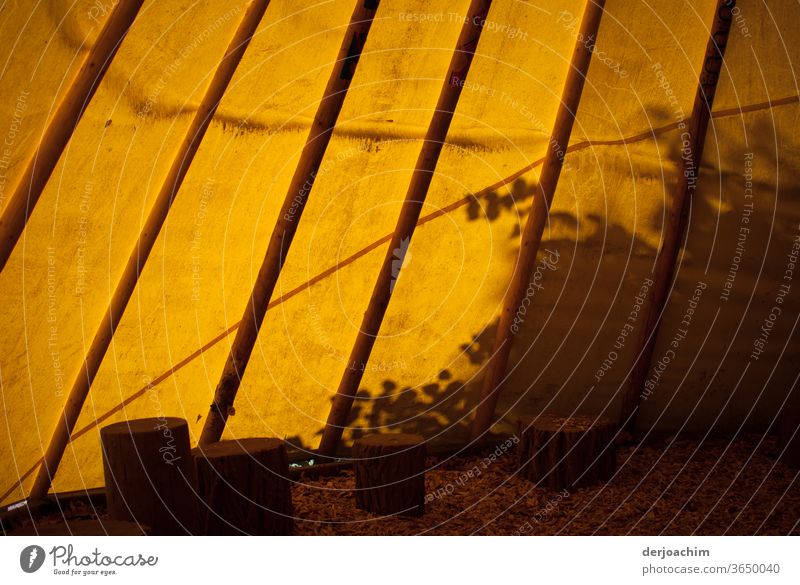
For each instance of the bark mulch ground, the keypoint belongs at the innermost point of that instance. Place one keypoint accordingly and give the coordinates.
(672, 486)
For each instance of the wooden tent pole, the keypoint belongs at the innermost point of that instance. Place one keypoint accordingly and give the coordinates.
(412, 206)
(302, 182)
(534, 227)
(147, 238)
(693, 139)
(59, 129)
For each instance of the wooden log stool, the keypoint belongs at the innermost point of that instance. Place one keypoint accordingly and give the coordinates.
(244, 487)
(390, 474)
(567, 452)
(149, 474)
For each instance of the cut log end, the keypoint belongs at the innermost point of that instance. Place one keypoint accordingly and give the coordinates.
(144, 426)
(567, 452)
(244, 486)
(238, 448)
(390, 474)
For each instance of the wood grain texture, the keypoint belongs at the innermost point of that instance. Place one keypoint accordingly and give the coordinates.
(149, 474)
(244, 486)
(567, 452)
(390, 474)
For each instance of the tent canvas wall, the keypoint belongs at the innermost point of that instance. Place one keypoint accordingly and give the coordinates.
(733, 367)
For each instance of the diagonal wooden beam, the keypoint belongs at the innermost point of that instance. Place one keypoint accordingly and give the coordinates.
(282, 235)
(141, 251)
(632, 139)
(59, 129)
(534, 227)
(693, 138)
(412, 206)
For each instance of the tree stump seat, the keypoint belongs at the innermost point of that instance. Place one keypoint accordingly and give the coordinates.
(244, 487)
(567, 452)
(149, 474)
(390, 474)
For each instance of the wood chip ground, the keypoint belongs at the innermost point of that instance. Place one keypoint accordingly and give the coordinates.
(672, 487)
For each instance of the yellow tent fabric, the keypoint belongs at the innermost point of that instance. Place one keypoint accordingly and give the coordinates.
(736, 357)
